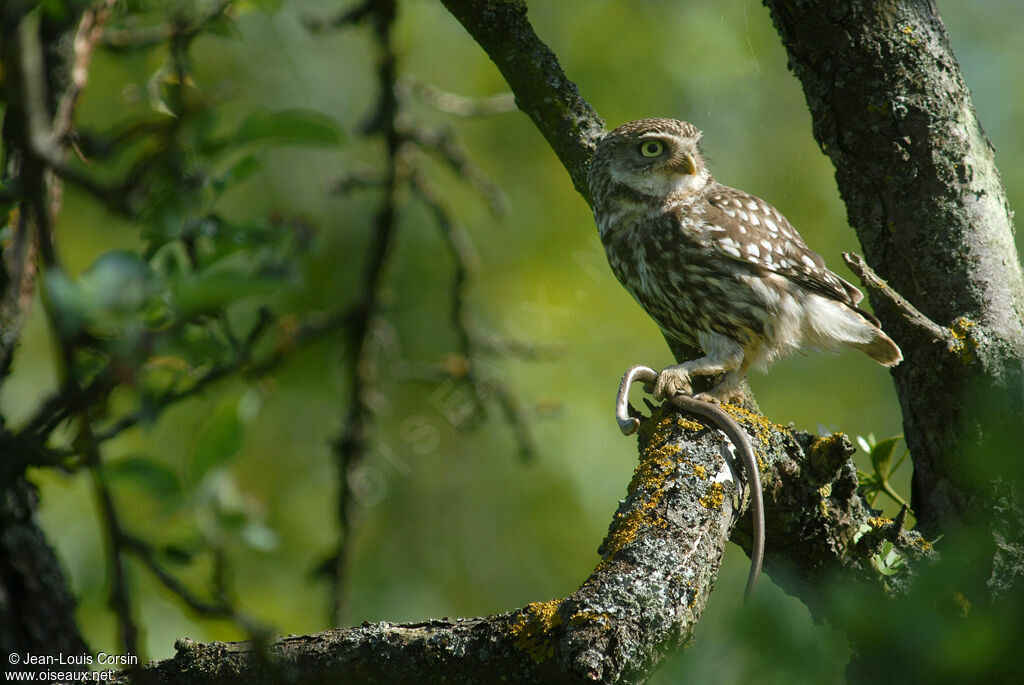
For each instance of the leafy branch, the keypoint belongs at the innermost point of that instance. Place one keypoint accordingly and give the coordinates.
(881, 454)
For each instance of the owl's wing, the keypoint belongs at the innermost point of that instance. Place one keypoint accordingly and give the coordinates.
(749, 229)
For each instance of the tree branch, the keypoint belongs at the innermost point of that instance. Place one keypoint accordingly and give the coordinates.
(882, 292)
(543, 92)
(659, 563)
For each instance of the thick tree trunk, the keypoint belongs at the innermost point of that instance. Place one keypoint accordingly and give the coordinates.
(917, 173)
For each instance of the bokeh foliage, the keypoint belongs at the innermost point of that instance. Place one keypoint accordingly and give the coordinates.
(214, 252)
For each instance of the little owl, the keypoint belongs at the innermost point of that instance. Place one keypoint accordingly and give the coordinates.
(715, 267)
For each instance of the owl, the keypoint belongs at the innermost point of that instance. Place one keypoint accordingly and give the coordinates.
(715, 267)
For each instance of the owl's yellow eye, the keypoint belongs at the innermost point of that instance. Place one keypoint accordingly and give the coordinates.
(651, 148)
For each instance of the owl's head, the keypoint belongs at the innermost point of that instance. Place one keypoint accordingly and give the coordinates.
(659, 158)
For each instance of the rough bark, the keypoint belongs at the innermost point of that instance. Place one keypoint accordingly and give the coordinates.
(36, 608)
(917, 173)
(659, 563)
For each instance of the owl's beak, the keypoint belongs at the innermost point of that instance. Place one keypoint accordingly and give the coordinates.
(686, 164)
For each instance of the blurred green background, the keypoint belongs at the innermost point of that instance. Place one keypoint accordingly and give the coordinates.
(460, 525)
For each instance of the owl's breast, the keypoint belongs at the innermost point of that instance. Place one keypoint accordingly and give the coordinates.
(664, 262)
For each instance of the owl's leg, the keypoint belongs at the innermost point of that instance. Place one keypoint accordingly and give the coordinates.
(723, 356)
(729, 390)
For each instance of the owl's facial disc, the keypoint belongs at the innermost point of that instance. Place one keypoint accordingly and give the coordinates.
(658, 162)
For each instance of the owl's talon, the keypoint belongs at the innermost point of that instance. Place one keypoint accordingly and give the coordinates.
(672, 381)
(723, 393)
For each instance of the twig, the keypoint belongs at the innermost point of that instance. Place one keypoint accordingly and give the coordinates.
(352, 445)
(527, 350)
(20, 269)
(114, 535)
(124, 40)
(901, 520)
(465, 263)
(880, 289)
(43, 136)
(354, 180)
(568, 123)
(221, 607)
(516, 417)
(89, 33)
(349, 17)
(450, 103)
(42, 149)
(181, 26)
(70, 399)
(114, 141)
(441, 144)
(470, 346)
(38, 145)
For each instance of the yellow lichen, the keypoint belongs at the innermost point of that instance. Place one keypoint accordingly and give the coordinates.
(688, 424)
(825, 491)
(963, 343)
(714, 498)
(826, 452)
(908, 30)
(756, 425)
(923, 544)
(826, 443)
(533, 626)
(879, 521)
(649, 477)
(584, 617)
(700, 472)
(658, 463)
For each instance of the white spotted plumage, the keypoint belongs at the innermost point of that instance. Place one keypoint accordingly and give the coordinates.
(714, 266)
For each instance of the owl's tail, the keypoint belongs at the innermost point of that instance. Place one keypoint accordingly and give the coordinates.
(833, 323)
(881, 348)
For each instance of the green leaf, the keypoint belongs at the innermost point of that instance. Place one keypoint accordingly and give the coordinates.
(259, 536)
(889, 561)
(881, 455)
(221, 438)
(55, 10)
(70, 304)
(257, 5)
(211, 292)
(179, 554)
(291, 126)
(239, 171)
(119, 282)
(8, 198)
(151, 477)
